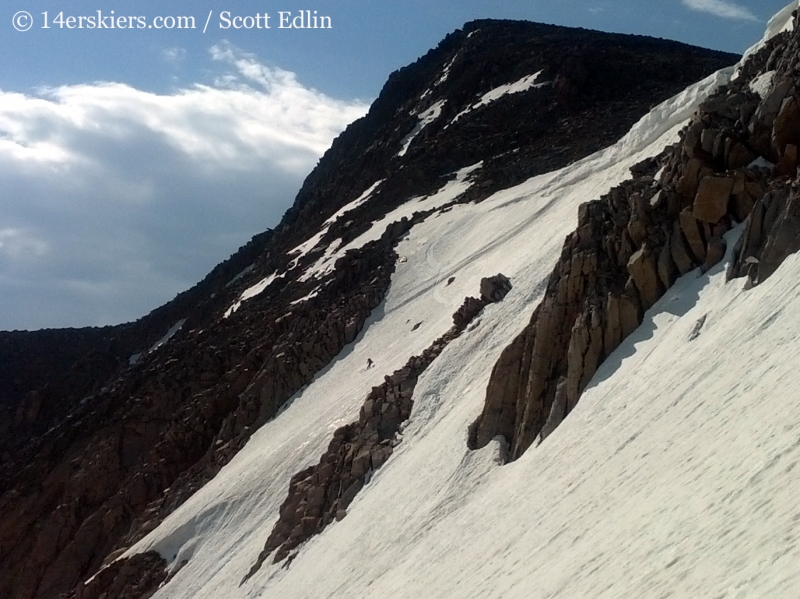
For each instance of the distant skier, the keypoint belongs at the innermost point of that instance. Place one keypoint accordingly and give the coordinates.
(369, 363)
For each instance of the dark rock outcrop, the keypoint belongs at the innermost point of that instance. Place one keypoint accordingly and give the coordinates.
(148, 441)
(772, 234)
(135, 577)
(631, 245)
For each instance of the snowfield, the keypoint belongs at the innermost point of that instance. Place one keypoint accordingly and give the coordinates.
(673, 477)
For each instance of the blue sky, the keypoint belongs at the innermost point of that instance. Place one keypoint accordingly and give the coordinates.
(133, 160)
(369, 39)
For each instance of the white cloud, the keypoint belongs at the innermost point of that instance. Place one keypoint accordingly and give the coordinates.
(175, 55)
(721, 8)
(114, 198)
(21, 245)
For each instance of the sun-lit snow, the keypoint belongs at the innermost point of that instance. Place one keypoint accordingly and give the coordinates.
(250, 292)
(446, 71)
(670, 479)
(360, 200)
(444, 196)
(168, 335)
(312, 242)
(629, 497)
(522, 85)
(305, 298)
(426, 117)
(780, 22)
(444, 76)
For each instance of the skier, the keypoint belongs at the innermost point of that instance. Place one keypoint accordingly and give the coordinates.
(369, 363)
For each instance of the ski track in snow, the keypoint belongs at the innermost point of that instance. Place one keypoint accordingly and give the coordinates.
(448, 193)
(669, 479)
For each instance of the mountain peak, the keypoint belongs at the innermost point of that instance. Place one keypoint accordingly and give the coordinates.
(177, 452)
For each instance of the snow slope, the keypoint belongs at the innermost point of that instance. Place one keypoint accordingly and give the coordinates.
(447, 194)
(311, 243)
(669, 479)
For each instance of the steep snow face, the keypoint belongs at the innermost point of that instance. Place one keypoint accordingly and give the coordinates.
(439, 520)
(669, 479)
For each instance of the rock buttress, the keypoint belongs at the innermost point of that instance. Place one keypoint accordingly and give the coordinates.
(739, 151)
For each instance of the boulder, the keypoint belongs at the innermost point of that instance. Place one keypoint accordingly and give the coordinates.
(643, 270)
(495, 289)
(788, 163)
(711, 201)
(667, 271)
(679, 252)
(786, 129)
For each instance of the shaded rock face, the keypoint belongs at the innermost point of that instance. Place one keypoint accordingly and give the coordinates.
(136, 577)
(111, 486)
(45, 374)
(321, 494)
(772, 233)
(104, 447)
(632, 244)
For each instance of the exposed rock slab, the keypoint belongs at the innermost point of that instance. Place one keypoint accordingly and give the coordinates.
(711, 202)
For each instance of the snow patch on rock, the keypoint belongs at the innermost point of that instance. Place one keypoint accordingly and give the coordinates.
(425, 118)
(251, 292)
(522, 85)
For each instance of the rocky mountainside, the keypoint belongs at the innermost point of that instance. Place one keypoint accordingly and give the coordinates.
(114, 429)
(737, 163)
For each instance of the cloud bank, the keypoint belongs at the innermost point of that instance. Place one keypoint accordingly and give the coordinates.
(114, 199)
(721, 8)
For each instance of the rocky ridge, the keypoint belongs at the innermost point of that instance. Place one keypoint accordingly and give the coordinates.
(737, 162)
(123, 443)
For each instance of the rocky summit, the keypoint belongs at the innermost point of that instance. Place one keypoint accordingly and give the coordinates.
(109, 436)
